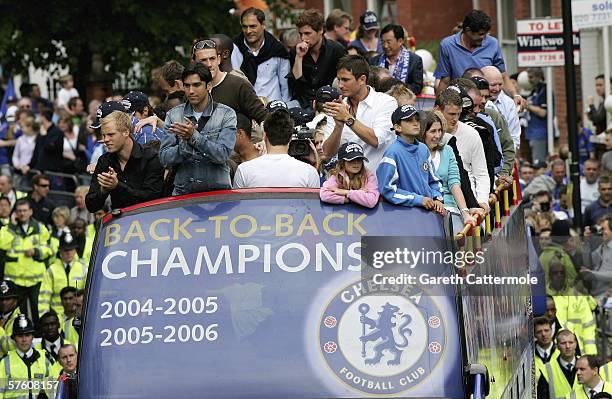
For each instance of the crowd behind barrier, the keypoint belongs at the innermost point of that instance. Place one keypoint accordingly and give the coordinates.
(359, 119)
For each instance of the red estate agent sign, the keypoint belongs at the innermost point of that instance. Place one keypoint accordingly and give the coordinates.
(540, 43)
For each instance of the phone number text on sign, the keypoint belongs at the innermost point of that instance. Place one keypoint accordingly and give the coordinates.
(557, 58)
(167, 306)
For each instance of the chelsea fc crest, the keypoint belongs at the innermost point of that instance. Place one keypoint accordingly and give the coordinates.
(382, 343)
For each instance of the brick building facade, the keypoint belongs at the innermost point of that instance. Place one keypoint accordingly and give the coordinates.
(432, 20)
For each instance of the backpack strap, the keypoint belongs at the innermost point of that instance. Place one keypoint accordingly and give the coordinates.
(204, 119)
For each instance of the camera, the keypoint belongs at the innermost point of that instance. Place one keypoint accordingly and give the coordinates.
(299, 146)
(545, 207)
(597, 230)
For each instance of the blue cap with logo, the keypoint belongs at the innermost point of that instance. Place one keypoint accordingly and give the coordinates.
(300, 116)
(402, 113)
(277, 105)
(369, 20)
(466, 101)
(134, 100)
(105, 110)
(326, 94)
(349, 151)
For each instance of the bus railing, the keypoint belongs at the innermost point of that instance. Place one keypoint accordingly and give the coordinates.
(500, 208)
(477, 380)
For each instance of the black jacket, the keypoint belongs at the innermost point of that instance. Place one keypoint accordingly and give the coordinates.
(49, 149)
(315, 74)
(414, 78)
(141, 180)
(598, 116)
(492, 155)
(466, 188)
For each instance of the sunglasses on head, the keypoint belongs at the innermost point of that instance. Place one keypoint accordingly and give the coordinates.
(202, 44)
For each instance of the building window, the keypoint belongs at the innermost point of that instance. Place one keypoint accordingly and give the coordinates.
(385, 9)
(388, 12)
(344, 5)
(509, 22)
(542, 8)
(507, 33)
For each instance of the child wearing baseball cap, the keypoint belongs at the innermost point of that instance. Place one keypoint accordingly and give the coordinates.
(350, 180)
(405, 176)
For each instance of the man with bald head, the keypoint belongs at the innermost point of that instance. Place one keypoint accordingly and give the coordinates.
(7, 190)
(503, 103)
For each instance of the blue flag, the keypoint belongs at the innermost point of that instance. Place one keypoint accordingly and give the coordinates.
(9, 93)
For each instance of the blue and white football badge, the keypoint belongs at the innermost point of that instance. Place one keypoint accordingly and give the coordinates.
(382, 343)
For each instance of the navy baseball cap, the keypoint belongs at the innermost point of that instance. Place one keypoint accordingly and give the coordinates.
(105, 110)
(299, 116)
(481, 82)
(277, 105)
(369, 20)
(326, 94)
(134, 100)
(539, 164)
(349, 151)
(402, 113)
(466, 100)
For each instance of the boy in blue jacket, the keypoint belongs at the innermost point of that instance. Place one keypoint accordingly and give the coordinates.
(405, 176)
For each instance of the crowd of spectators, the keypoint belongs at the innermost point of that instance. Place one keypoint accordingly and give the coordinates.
(312, 110)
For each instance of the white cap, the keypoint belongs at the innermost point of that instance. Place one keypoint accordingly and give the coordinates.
(11, 113)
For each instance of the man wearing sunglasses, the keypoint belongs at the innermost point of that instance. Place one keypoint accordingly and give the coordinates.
(237, 93)
(41, 205)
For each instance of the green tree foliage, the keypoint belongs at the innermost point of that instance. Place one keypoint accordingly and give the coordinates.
(121, 31)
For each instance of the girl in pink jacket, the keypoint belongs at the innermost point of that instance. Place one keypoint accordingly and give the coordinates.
(350, 181)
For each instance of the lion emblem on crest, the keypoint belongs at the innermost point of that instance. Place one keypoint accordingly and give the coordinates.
(381, 333)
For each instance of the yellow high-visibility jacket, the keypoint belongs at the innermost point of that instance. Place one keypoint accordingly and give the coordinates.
(574, 313)
(22, 270)
(14, 375)
(55, 280)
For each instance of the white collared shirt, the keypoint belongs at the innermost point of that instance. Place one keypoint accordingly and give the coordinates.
(545, 352)
(564, 364)
(507, 108)
(598, 388)
(29, 353)
(57, 343)
(374, 112)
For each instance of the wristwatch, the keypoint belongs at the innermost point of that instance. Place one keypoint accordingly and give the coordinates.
(350, 121)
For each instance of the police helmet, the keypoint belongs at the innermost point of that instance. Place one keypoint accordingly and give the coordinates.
(8, 290)
(22, 326)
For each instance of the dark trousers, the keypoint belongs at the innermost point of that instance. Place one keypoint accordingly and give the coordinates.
(28, 301)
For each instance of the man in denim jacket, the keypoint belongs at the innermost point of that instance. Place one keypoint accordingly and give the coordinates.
(200, 136)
